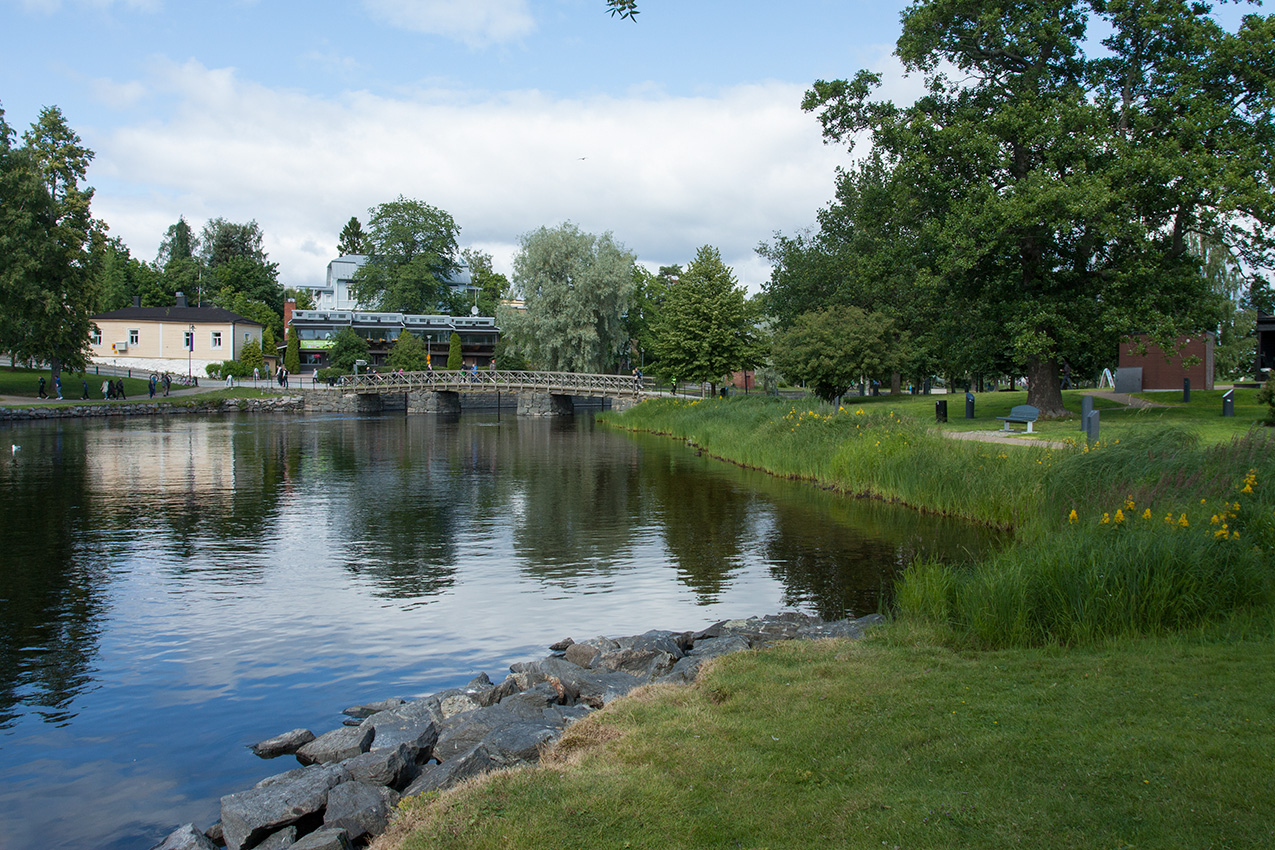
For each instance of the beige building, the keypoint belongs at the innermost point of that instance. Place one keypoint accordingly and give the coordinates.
(167, 339)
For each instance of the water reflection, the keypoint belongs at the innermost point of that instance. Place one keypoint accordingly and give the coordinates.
(172, 589)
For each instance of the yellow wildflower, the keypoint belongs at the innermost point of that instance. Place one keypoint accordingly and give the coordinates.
(1182, 521)
(1106, 518)
(1119, 518)
(1146, 514)
(1071, 517)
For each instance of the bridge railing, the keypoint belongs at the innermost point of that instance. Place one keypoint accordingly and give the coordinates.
(457, 380)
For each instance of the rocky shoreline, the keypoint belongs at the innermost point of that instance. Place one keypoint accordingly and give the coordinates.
(352, 777)
(280, 404)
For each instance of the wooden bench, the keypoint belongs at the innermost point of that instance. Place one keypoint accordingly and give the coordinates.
(1021, 413)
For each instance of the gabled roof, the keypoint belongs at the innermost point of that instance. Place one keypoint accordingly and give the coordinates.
(184, 315)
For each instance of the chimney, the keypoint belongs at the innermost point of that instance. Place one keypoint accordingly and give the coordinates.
(288, 306)
(137, 300)
(181, 299)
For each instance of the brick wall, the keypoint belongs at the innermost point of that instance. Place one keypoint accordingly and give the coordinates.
(1166, 373)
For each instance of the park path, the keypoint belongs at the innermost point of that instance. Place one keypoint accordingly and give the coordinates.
(1004, 438)
(1125, 399)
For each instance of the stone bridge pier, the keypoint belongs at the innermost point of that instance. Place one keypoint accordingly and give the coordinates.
(433, 401)
(545, 404)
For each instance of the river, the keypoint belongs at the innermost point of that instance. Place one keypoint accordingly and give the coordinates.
(174, 589)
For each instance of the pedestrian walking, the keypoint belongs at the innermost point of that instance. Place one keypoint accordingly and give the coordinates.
(40, 393)
(57, 386)
(168, 383)
(108, 389)
(151, 384)
(86, 388)
(119, 389)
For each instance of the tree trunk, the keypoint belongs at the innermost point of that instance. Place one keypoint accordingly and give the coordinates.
(896, 383)
(1044, 389)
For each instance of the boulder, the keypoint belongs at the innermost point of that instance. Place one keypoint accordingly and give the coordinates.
(249, 816)
(360, 809)
(602, 644)
(437, 777)
(393, 768)
(839, 629)
(337, 745)
(646, 664)
(465, 731)
(715, 647)
(656, 640)
(370, 708)
(186, 838)
(520, 742)
(561, 645)
(414, 723)
(283, 745)
(325, 839)
(582, 655)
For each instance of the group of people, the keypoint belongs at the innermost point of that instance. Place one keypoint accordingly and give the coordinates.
(155, 381)
(111, 389)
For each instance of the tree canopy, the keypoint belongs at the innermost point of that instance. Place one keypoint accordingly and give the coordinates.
(577, 288)
(704, 328)
(1055, 192)
(834, 348)
(411, 251)
(48, 240)
(347, 347)
(352, 240)
(408, 353)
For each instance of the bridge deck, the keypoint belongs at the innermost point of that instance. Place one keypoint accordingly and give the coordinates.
(492, 380)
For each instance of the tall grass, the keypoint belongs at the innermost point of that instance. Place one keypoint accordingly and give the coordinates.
(1149, 534)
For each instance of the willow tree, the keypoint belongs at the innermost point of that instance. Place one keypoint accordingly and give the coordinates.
(1060, 188)
(577, 288)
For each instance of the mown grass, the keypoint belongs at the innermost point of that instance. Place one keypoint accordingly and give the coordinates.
(25, 383)
(896, 741)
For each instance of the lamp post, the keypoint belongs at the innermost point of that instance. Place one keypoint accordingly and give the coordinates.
(190, 348)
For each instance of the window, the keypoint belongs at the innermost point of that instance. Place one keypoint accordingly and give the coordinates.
(215, 340)
(95, 337)
(133, 336)
(189, 341)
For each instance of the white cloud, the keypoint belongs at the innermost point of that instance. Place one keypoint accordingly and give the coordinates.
(474, 22)
(664, 174)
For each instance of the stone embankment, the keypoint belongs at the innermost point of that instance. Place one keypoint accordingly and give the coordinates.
(280, 404)
(352, 777)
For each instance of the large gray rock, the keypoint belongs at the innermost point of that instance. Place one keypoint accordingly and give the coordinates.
(325, 839)
(186, 838)
(249, 816)
(465, 731)
(839, 629)
(437, 777)
(360, 809)
(283, 745)
(582, 655)
(521, 742)
(646, 664)
(337, 745)
(414, 724)
(717, 647)
(657, 640)
(391, 768)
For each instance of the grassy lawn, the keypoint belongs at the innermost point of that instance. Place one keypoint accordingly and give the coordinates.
(1203, 415)
(895, 741)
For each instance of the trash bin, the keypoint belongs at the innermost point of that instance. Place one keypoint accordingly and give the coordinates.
(940, 411)
(969, 405)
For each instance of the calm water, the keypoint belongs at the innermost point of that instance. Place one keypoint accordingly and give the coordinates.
(172, 591)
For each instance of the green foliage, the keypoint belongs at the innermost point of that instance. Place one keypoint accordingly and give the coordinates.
(347, 347)
(48, 241)
(455, 359)
(704, 328)
(1056, 191)
(1266, 396)
(353, 240)
(292, 354)
(330, 373)
(411, 249)
(304, 298)
(832, 349)
(577, 288)
(250, 356)
(222, 241)
(408, 353)
(179, 244)
(234, 369)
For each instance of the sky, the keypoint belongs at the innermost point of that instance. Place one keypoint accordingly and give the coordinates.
(679, 130)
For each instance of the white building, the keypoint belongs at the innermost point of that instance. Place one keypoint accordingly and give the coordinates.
(335, 294)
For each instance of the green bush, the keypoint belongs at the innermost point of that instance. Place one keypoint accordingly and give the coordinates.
(330, 373)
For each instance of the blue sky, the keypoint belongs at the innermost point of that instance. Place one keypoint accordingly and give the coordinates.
(676, 131)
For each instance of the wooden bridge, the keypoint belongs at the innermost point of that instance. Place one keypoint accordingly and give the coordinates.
(438, 391)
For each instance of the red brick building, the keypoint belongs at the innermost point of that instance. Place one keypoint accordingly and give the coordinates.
(1166, 372)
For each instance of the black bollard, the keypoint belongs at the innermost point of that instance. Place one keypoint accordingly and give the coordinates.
(969, 405)
(1228, 403)
(940, 411)
(1186, 390)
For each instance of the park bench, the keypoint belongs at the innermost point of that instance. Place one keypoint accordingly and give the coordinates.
(1021, 413)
